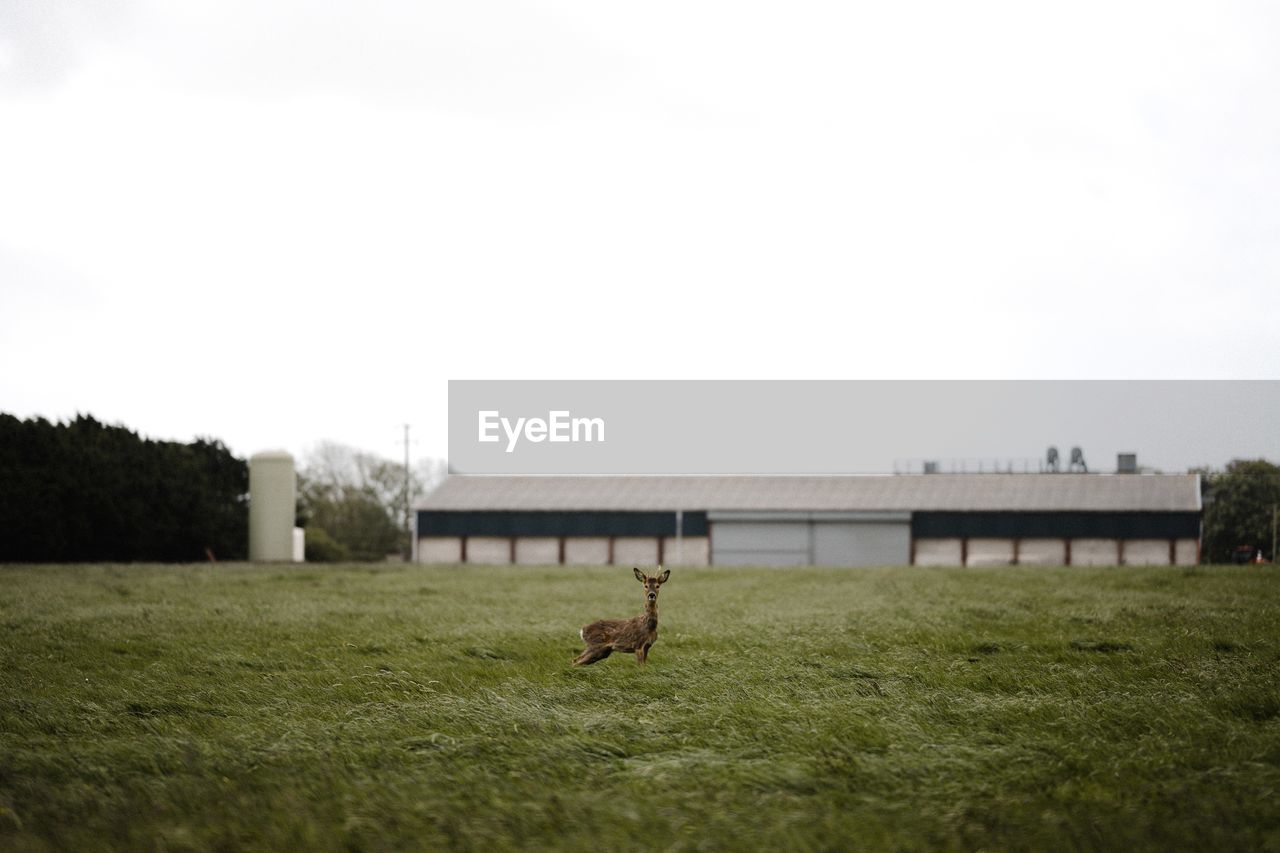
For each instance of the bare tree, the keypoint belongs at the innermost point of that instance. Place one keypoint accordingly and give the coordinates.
(359, 498)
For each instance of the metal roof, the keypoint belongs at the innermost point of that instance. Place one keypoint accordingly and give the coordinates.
(954, 492)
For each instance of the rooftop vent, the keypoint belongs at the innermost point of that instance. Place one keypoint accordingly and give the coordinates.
(1126, 463)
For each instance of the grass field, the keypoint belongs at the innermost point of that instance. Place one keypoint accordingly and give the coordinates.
(390, 707)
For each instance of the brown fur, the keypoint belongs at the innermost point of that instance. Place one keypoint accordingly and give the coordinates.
(637, 634)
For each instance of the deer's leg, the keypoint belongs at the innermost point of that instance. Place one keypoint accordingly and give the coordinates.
(591, 654)
(642, 654)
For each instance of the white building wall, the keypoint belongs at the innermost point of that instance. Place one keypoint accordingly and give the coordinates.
(1093, 552)
(1146, 552)
(1188, 552)
(439, 549)
(493, 550)
(694, 551)
(937, 552)
(635, 550)
(990, 552)
(578, 550)
(586, 550)
(538, 550)
(1042, 552)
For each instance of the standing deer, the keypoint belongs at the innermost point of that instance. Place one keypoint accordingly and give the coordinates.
(637, 634)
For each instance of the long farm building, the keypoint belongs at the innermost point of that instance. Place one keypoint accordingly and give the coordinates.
(929, 519)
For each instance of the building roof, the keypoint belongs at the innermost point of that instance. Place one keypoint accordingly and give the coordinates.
(941, 492)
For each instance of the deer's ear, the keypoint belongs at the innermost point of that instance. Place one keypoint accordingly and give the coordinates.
(639, 574)
(662, 578)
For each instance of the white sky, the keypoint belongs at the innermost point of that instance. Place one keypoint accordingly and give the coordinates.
(280, 223)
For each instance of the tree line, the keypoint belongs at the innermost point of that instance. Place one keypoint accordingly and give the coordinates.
(87, 491)
(83, 490)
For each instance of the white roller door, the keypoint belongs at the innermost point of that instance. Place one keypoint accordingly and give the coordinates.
(802, 539)
(760, 542)
(861, 543)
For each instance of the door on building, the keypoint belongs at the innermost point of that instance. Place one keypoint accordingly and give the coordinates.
(810, 539)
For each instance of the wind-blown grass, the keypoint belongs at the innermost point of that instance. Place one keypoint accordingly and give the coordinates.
(390, 707)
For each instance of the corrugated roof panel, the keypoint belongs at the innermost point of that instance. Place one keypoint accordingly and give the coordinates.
(954, 492)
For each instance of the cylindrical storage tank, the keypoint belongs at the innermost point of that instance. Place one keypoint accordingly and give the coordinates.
(272, 506)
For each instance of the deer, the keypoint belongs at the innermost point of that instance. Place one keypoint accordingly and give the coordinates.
(637, 634)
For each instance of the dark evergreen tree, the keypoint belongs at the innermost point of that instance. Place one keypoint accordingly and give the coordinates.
(85, 491)
(1239, 507)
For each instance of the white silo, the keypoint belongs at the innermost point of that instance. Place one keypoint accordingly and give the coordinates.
(272, 506)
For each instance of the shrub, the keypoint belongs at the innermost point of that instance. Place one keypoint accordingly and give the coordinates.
(323, 548)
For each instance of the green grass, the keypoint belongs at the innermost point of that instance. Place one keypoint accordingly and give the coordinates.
(402, 707)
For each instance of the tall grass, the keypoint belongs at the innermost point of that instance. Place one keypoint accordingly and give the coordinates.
(403, 707)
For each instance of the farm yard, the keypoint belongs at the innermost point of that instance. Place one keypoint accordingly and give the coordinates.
(374, 707)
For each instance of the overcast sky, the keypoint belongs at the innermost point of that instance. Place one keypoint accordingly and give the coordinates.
(287, 222)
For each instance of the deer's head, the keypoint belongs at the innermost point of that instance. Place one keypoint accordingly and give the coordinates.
(651, 584)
